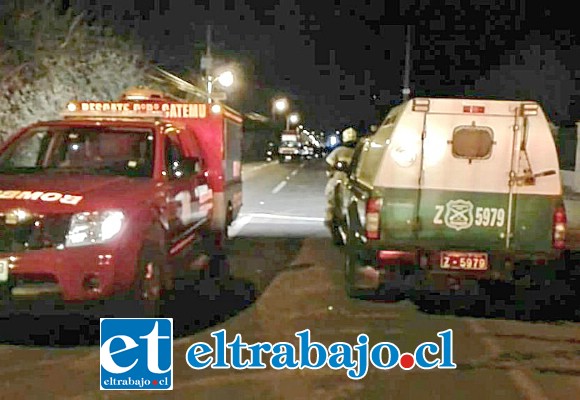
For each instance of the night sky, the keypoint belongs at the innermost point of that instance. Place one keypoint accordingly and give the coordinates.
(341, 62)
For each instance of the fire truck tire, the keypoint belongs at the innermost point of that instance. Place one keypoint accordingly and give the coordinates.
(145, 296)
(224, 234)
(218, 266)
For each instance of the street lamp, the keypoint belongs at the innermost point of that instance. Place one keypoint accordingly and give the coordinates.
(280, 105)
(292, 119)
(226, 79)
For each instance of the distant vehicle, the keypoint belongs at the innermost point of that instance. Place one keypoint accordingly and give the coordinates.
(116, 200)
(291, 147)
(307, 151)
(317, 152)
(451, 192)
(271, 151)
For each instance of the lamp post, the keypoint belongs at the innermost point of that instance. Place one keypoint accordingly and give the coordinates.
(225, 79)
(279, 106)
(406, 89)
(292, 119)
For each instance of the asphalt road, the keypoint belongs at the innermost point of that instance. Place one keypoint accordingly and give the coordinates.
(287, 276)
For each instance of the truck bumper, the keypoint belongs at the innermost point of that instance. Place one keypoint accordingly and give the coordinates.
(48, 278)
(409, 270)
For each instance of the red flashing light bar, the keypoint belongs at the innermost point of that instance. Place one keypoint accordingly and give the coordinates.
(134, 109)
(474, 109)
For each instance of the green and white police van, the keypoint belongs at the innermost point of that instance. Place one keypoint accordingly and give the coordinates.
(453, 191)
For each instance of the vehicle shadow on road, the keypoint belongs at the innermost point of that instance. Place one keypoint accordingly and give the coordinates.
(505, 301)
(194, 306)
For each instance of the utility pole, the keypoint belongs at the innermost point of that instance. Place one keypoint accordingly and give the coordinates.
(406, 89)
(206, 63)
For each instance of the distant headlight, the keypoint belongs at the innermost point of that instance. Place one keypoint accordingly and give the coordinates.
(88, 228)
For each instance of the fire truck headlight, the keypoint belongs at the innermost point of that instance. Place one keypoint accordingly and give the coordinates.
(94, 227)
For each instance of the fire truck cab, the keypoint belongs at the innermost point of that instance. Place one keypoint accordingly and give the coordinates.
(116, 200)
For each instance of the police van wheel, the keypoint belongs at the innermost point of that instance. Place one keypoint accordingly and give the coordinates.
(425, 303)
(337, 226)
(548, 295)
(350, 265)
(336, 233)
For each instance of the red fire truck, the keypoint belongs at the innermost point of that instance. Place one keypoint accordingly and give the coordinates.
(116, 199)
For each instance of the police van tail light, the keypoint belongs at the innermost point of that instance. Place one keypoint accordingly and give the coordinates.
(559, 229)
(373, 218)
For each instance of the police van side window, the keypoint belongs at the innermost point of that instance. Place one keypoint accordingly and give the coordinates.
(472, 142)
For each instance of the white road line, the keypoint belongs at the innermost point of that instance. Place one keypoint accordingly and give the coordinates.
(259, 167)
(526, 385)
(294, 172)
(279, 187)
(291, 217)
(519, 376)
(239, 224)
(354, 331)
(491, 345)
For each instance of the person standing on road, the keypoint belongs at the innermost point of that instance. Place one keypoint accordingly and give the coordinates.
(342, 154)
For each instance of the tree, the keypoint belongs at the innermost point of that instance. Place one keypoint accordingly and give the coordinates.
(532, 74)
(49, 58)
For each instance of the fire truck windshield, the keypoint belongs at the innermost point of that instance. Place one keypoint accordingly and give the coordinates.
(93, 151)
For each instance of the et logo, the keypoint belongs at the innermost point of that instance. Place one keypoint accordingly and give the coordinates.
(136, 354)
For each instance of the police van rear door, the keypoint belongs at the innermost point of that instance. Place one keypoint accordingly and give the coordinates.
(464, 192)
(490, 180)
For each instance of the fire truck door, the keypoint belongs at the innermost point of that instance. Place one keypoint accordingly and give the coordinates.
(183, 190)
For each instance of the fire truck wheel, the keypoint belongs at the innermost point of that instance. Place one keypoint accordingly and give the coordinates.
(222, 236)
(218, 266)
(148, 287)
